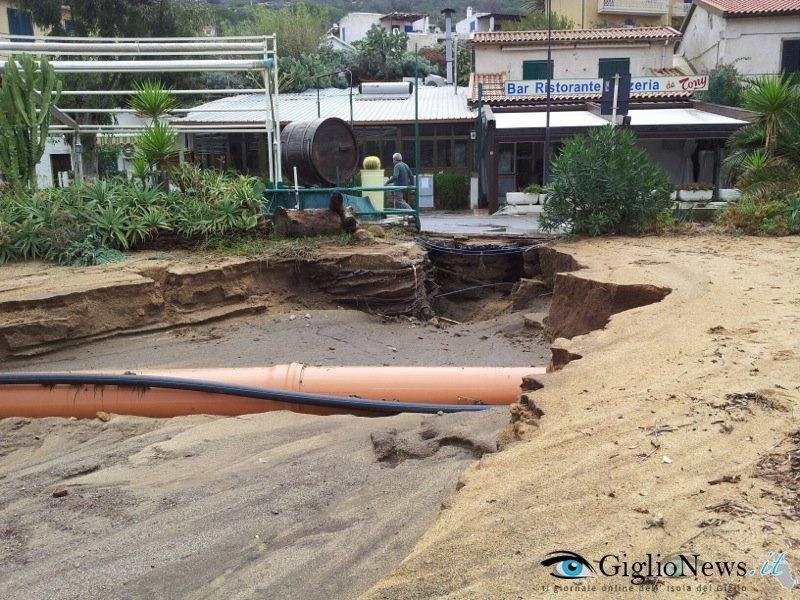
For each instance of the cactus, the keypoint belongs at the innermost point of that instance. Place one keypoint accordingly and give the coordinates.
(26, 97)
(372, 163)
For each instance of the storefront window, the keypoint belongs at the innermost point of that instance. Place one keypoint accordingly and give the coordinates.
(444, 153)
(461, 155)
(426, 154)
(506, 159)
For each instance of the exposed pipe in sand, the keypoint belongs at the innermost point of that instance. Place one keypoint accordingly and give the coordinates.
(296, 387)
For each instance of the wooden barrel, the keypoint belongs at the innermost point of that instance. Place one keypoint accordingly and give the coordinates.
(324, 151)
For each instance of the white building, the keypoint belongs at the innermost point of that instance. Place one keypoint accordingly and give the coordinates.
(355, 25)
(583, 53)
(484, 21)
(756, 36)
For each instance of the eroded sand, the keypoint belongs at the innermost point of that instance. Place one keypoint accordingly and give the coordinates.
(592, 474)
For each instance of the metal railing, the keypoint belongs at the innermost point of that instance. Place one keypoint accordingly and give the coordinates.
(680, 8)
(633, 7)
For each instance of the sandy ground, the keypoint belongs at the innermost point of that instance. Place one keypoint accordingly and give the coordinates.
(276, 505)
(327, 337)
(265, 506)
(674, 433)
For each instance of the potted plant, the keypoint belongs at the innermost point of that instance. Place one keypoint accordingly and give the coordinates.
(533, 194)
(695, 192)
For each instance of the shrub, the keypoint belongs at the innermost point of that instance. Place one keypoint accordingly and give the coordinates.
(89, 223)
(725, 86)
(695, 187)
(533, 188)
(763, 214)
(603, 183)
(451, 191)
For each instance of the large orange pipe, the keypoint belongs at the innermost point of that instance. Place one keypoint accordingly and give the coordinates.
(433, 385)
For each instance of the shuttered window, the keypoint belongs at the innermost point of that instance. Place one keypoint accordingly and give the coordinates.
(536, 69)
(613, 66)
(790, 60)
(19, 22)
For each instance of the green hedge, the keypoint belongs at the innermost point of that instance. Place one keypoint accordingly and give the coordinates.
(451, 191)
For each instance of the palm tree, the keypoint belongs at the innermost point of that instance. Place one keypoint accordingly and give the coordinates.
(776, 101)
(772, 140)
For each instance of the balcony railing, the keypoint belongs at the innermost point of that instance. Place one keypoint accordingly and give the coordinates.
(680, 8)
(633, 7)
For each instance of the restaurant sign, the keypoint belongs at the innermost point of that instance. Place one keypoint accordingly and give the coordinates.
(594, 87)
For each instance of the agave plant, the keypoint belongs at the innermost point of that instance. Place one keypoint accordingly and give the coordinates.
(112, 225)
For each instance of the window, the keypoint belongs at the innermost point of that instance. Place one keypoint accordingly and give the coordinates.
(389, 148)
(409, 153)
(461, 154)
(614, 66)
(790, 59)
(19, 23)
(472, 25)
(536, 69)
(506, 159)
(444, 153)
(426, 153)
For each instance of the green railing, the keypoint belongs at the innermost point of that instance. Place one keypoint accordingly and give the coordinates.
(414, 212)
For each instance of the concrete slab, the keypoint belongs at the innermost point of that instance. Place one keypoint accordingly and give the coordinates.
(469, 224)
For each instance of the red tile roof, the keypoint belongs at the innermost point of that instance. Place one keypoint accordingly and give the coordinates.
(493, 93)
(572, 36)
(754, 8)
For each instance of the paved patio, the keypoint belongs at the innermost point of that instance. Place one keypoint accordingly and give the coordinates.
(469, 224)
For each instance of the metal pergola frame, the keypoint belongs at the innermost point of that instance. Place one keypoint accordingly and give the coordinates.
(248, 54)
(233, 54)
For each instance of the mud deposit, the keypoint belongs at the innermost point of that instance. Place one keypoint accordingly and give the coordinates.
(264, 506)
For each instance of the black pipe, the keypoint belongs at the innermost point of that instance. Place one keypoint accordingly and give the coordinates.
(243, 391)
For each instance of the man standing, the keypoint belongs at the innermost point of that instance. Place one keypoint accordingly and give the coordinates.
(401, 176)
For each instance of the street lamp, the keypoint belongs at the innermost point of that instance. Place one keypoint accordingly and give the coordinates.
(546, 159)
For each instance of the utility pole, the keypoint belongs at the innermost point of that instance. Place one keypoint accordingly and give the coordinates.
(546, 159)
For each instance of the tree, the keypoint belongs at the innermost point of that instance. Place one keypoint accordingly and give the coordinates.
(604, 183)
(776, 130)
(380, 54)
(27, 93)
(299, 28)
(155, 145)
(538, 20)
(113, 18)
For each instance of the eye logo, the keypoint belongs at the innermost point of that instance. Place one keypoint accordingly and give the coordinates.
(568, 565)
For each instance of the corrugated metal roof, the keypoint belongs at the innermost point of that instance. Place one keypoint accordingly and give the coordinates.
(493, 92)
(643, 118)
(618, 34)
(435, 104)
(754, 7)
